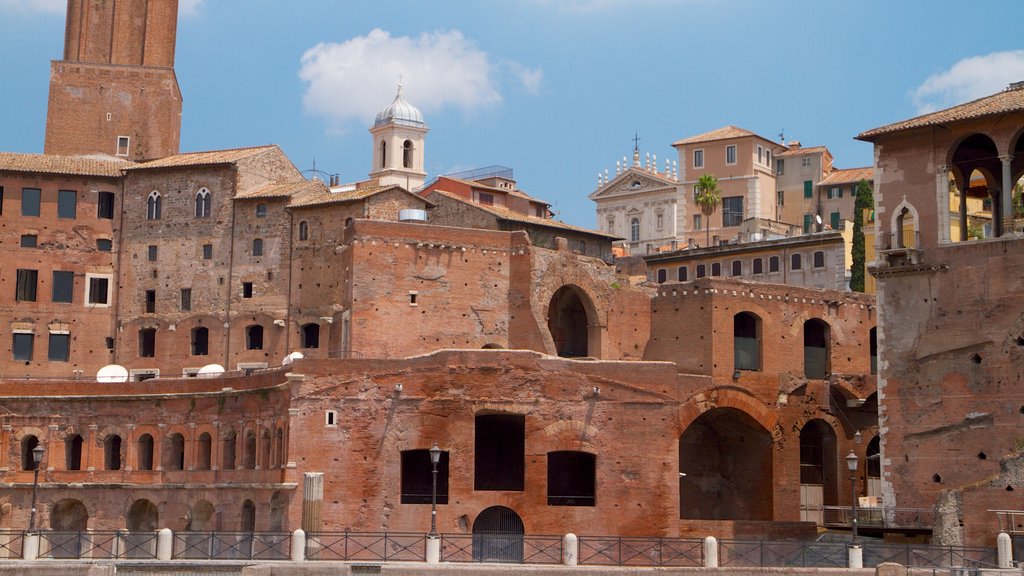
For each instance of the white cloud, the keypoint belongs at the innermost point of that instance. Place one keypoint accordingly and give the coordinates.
(47, 6)
(190, 7)
(355, 79)
(969, 79)
(530, 78)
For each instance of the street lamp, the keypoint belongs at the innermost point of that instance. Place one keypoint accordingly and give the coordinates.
(37, 457)
(851, 463)
(435, 457)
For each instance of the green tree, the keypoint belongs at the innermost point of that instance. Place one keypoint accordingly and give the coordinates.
(708, 198)
(865, 201)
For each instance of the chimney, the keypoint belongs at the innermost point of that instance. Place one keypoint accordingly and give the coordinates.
(794, 144)
(1015, 86)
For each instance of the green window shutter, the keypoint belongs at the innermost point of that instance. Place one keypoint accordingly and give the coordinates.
(807, 223)
(840, 191)
(835, 220)
(808, 189)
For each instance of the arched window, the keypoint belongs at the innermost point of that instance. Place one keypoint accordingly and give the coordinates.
(145, 452)
(73, 452)
(248, 516)
(112, 452)
(153, 205)
(204, 451)
(249, 456)
(383, 154)
(634, 230)
(204, 202)
(816, 348)
(279, 459)
(228, 460)
(254, 337)
(746, 329)
(407, 154)
(200, 341)
(303, 230)
(662, 275)
(265, 462)
(174, 456)
(28, 444)
(257, 247)
(311, 335)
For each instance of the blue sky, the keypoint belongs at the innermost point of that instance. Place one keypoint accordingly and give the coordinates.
(554, 89)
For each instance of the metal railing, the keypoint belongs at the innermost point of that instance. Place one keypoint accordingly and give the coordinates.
(764, 553)
(100, 545)
(10, 544)
(1010, 521)
(510, 548)
(366, 547)
(880, 517)
(231, 545)
(927, 556)
(629, 551)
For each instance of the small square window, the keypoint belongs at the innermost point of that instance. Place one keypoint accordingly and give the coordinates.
(29, 240)
(246, 289)
(104, 245)
(151, 253)
(207, 251)
(122, 145)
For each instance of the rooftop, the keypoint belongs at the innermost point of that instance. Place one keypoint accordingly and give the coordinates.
(211, 157)
(848, 176)
(513, 216)
(91, 165)
(720, 134)
(1009, 100)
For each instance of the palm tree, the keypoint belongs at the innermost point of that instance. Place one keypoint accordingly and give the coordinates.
(708, 197)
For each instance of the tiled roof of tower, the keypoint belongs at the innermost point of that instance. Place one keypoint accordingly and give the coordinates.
(280, 189)
(513, 216)
(802, 151)
(94, 165)
(720, 134)
(848, 176)
(207, 158)
(1010, 100)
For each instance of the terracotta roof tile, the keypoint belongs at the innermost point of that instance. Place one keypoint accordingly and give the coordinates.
(720, 134)
(278, 189)
(318, 194)
(848, 176)
(802, 151)
(517, 193)
(229, 156)
(513, 216)
(1010, 100)
(93, 165)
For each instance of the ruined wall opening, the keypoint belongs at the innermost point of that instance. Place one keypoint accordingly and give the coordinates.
(200, 341)
(228, 457)
(73, 452)
(500, 452)
(144, 447)
(254, 337)
(816, 348)
(818, 471)
(200, 517)
(249, 456)
(112, 452)
(725, 466)
(498, 536)
(279, 458)
(67, 518)
(278, 506)
(28, 444)
(248, 516)
(311, 335)
(569, 323)
(417, 477)
(142, 517)
(265, 449)
(873, 468)
(572, 478)
(204, 451)
(746, 341)
(873, 344)
(174, 452)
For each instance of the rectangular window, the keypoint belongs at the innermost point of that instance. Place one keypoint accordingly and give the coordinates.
(22, 346)
(417, 477)
(63, 286)
(207, 251)
(730, 154)
(808, 189)
(487, 199)
(796, 262)
(834, 220)
(681, 274)
(732, 211)
(60, 347)
(760, 155)
(572, 478)
(807, 223)
(780, 198)
(246, 289)
(698, 158)
(716, 269)
(696, 222)
(99, 290)
(30, 201)
(25, 291)
(147, 343)
(819, 259)
(758, 266)
(150, 301)
(122, 145)
(29, 240)
(737, 268)
(105, 205)
(500, 452)
(104, 245)
(67, 204)
(780, 166)
(773, 264)
(186, 299)
(261, 210)
(701, 270)
(151, 253)
(806, 161)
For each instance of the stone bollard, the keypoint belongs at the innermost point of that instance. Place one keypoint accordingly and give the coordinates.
(890, 569)
(433, 549)
(855, 556)
(164, 544)
(571, 550)
(298, 545)
(711, 552)
(1005, 550)
(30, 548)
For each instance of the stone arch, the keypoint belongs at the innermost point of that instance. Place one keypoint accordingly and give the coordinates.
(819, 484)
(979, 152)
(69, 515)
(726, 397)
(419, 431)
(200, 517)
(565, 435)
(142, 516)
(498, 535)
(898, 221)
(573, 323)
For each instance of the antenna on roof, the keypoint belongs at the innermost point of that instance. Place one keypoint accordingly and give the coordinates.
(782, 135)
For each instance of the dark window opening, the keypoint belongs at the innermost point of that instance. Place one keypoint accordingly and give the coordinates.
(22, 346)
(732, 211)
(572, 479)
(204, 203)
(105, 205)
(73, 452)
(417, 477)
(67, 204)
(816, 348)
(28, 444)
(758, 266)
(112, 452)
(151, 253)
(150, 301)
(701, 270)
(249, 456)
(254, 337)
(59, 348)
(407, 154)
(207, 251)
(29, 241)
(30, 201)
(204, 451)
(795, 262)
(261, 210)
(662, 275)
(819, 259)
(746, 341)
(145, 448)
(147, 343)
(487, 199)
(716, 269)
(303, 231)
(186, 299)
(104, 245)
(873, 337)
(154, 205)
(257, 247)
(174, 456)
(200, 341)
(500, 452)
(25, 290)
(98, 288)
(311, 336)
(681, 274)
(229, 451)
(63, 286)
(737, 268)
(773, 264)
(246, 289)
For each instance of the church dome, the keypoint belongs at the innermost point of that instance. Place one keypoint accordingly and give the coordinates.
(401, 113)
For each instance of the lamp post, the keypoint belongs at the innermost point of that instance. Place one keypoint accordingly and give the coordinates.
(851, 463)
(37, 458)
(435, 457)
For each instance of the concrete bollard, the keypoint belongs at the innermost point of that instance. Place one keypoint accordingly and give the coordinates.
(433, 550)
(30, 548)
(1005, 550)
(890, 569)
(711, 552)
(570, 550)
(164, 544)
(855, 557)
(298, 545)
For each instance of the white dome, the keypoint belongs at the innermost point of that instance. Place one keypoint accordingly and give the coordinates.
(400, 112)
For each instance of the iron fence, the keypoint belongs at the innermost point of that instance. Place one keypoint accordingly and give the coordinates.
(501, 547)
(231, 545)
(10, 544)
(628, 551)
(927, 556)
(367, 547)
(795, 554)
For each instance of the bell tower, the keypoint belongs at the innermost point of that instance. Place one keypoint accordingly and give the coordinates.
(115, 91)
(398, 136)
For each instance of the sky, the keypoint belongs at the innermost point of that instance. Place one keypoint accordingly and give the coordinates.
(554, 89)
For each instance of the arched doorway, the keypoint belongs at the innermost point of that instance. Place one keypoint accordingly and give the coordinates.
(725, 466)
(498, 536)
(68, 519)
(142, 520)
(818, 481)
(568, 323)
(976, 195)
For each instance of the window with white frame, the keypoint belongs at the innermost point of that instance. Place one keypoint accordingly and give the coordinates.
(805, 161)
(204, 203)
(634, 230)
(97, 290)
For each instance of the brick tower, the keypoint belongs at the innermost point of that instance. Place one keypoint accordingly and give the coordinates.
(115, 91)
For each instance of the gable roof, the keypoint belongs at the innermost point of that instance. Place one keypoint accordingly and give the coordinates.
(208, 158)
(724, 133)
(480, 186)
(1009, 100)
(318, 194)
(503, 213)
(278, 189)
(629, 174)
(91, 165)
(848, 176)
(802, 151)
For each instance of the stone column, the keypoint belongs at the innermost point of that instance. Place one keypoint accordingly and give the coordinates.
(942, 202)
(313, 502)
(963, 211)
(1006, 198)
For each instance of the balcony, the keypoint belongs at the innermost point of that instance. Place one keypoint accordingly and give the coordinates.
(880, 518)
